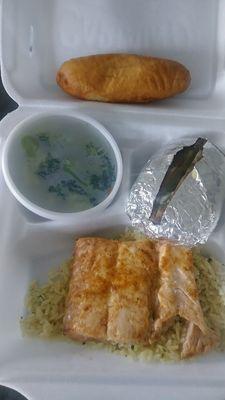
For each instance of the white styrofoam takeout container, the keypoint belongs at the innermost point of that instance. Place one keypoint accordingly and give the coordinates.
(36, 37)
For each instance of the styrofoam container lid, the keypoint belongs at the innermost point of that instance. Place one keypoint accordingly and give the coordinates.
(36, 38)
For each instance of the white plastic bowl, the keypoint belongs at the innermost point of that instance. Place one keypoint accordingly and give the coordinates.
(30, 124)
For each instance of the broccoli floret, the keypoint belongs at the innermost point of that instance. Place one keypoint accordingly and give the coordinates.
(69, 168)
(93, 201)
(73, 187)
(43, 137)
(63, 187)
(48, 167)
(30, 145)
(93, 150)
(102, 182)
(94, 181)
(58, 190)
(107, 165)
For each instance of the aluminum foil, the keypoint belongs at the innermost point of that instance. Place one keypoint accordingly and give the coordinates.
(195, 207)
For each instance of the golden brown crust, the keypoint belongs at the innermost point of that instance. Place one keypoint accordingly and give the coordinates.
(87, 302)
(132, 292)
(122, 78)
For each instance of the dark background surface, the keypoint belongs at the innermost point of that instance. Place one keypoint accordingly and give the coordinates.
(10, 394)
(6, 103)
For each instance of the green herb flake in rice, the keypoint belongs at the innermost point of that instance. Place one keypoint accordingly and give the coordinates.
(46, 304)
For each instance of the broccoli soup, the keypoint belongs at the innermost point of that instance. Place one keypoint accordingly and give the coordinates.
(66, 170)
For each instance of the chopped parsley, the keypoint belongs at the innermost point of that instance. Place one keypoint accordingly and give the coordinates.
(91, 175)
(48, 167)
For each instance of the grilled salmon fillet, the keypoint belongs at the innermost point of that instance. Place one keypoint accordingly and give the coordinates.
(86, 314)
(132, 293)
(178, 296)
(197, 342)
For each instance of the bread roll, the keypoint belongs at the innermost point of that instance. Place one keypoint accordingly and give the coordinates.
(122, 78)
